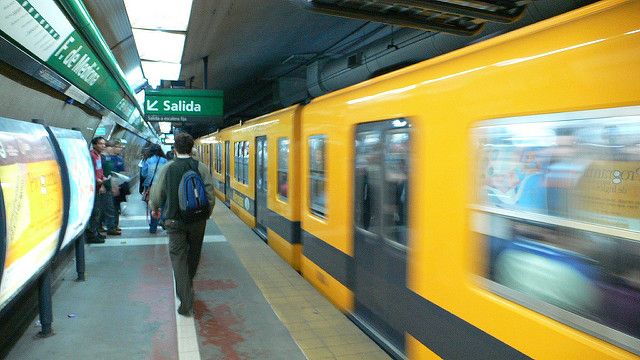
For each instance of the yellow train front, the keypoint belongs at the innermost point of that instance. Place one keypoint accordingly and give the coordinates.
(481, 204)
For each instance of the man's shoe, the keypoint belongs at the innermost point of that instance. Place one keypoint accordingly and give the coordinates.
(98, 240)
(184, 311)
(114, 232)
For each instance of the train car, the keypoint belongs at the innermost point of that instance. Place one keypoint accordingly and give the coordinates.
(484, 203)
(265, 180)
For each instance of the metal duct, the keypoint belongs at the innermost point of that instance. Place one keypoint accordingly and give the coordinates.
(411, 46)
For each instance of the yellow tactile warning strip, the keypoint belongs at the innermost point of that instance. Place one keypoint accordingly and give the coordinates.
(321, 331)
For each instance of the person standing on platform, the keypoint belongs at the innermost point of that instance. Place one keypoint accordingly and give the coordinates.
(170, 154)
(121, 190)
(150, 169)
(185, 236)
(145, 153)
(98, 145)
(109, 210)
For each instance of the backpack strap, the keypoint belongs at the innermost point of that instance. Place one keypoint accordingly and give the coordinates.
(154, 170)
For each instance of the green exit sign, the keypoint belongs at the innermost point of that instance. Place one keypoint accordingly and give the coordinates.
(182, 104)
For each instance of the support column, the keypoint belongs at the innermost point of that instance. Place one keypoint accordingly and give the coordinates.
(205, 60)
(80, 264)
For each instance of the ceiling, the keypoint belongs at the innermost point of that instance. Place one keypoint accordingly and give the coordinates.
(262, 53)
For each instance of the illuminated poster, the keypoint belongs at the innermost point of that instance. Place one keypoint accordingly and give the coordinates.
(32, 191)
(81, 181)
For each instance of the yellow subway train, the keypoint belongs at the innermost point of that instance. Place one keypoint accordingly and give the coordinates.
(481, 204)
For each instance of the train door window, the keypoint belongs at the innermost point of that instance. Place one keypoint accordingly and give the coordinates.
(241, 161)
(236, 161)
(219, 158)
(317, 175)
(557, 208)
(261, 163)
(245, 163)
(283, 168)
(396, 185)
(369, 146)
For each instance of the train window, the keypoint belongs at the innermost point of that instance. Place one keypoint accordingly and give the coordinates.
(236, 159)
(317, 175)
(369, 147)
(557, 206)
(396, 185)
(283, 168)
(241, 162)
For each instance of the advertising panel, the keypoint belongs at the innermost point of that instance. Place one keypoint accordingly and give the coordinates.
(32, 194)
(81, 179)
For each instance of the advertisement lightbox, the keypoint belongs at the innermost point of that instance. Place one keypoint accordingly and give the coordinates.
(32, 195)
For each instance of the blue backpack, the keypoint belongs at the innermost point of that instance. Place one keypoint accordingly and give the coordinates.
(192, 197)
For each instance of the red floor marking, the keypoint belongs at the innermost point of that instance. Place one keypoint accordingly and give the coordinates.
(203, 285)
(155, 290)
(216, 328)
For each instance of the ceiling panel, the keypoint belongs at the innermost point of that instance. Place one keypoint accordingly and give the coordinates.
(248, 38)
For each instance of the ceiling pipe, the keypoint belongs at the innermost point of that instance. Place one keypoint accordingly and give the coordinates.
(460, 27)
(413, 46)
(505, 15)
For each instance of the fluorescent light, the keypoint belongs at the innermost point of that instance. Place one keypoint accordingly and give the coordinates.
(156, 71)
(165, 127)
(159, 14)
(135, 78)
(159, 45)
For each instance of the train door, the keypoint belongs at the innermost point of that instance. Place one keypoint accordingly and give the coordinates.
(380, 228)
(261, 185)
(227, 173)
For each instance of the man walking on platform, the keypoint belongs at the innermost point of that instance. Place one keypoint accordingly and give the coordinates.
(185, 235)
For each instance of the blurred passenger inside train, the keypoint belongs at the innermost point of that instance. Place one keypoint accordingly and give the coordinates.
(98, 145)
(150, 169)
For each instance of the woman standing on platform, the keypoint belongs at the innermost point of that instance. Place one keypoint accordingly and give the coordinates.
(150, 168)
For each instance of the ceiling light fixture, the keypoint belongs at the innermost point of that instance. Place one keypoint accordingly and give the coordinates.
(159, 29)
(170, 15)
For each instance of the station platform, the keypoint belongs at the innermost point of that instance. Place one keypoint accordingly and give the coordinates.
(249, 304)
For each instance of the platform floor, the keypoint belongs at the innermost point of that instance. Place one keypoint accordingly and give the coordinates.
(249, 303)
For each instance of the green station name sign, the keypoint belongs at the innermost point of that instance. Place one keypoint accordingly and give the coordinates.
(182, 104)
(40, 27)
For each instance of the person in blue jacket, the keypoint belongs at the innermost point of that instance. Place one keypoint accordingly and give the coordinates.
(150, 169)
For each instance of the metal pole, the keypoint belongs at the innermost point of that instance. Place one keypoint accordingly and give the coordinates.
(205, 60)
(44, 303)
(80, 265)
